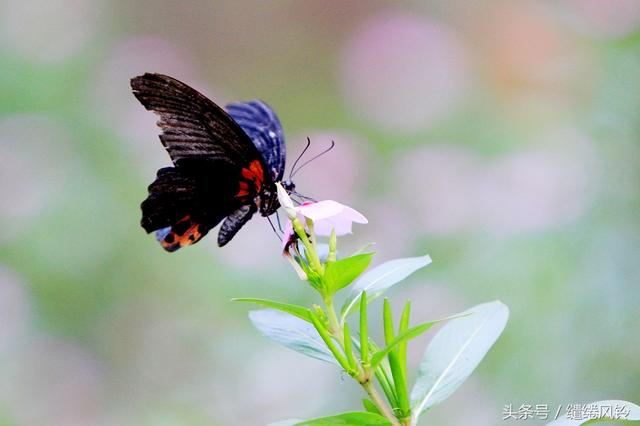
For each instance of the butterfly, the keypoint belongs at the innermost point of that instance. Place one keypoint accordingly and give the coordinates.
(225, 163)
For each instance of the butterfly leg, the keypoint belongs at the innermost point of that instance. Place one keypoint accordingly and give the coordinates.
(274, 228)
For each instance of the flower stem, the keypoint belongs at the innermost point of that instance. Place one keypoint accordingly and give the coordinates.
(380, 403)
(363, 377)
(310, 252)
(334, 324)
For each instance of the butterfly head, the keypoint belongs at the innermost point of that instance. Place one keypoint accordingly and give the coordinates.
(289, 186)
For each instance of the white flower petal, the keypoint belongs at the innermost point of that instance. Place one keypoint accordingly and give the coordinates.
(320, 210)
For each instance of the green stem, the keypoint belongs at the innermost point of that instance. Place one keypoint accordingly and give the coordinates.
(327, 340)
(380, 403)
(384, 378)
(310, 252)
(337, 332)
(312, 235)
(334, 324)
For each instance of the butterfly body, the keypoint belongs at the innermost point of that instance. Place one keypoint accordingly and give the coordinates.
(225, 163)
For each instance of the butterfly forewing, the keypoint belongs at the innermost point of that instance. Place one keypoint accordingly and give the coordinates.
(192, 125)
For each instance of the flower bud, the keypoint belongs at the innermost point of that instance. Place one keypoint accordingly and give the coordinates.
(333, 243)
(286, 202)
(301, 274)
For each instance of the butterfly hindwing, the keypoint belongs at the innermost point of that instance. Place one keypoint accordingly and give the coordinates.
(192, 195)
(185, 232)
(234, 222)
(171, 196)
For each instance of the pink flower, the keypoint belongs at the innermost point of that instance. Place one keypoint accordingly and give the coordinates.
(326, 215)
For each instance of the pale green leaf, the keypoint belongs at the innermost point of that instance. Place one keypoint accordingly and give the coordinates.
(377, 280)
(291, 332)
(299, 311)
(455, 351)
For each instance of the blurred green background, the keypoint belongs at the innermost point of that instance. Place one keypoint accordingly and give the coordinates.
(500, 137)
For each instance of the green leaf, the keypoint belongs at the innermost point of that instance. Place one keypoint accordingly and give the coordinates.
(370, 406)
(376, 281)
(402, 347)
(364, 332)
(341, 273)
(604, 410)
(399, 379)
(291, 332)
(348, 350)
(299, 311)
(348, 419)
(454, 352)
(387, 322)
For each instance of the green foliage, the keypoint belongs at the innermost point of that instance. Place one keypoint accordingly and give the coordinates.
(402, 328)
(454, 352)
(364, 330)
(370, 406)
(341, 273)
(348, 349)
(324, 334)
(291, 332)
(319, 333)
(399, 379)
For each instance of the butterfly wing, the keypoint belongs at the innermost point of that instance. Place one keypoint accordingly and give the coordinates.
(217, 169)
(192, 125)
(233, 223)
(183, 233)
(260, 122)
(184, 203)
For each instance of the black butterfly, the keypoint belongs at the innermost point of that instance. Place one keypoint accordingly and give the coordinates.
(225, 164)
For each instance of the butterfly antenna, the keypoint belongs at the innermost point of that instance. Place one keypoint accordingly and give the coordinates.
(333, 143)
(304, 197)
(299, 157)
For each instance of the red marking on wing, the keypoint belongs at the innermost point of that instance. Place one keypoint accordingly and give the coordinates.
(185, 232)
(254, 176)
